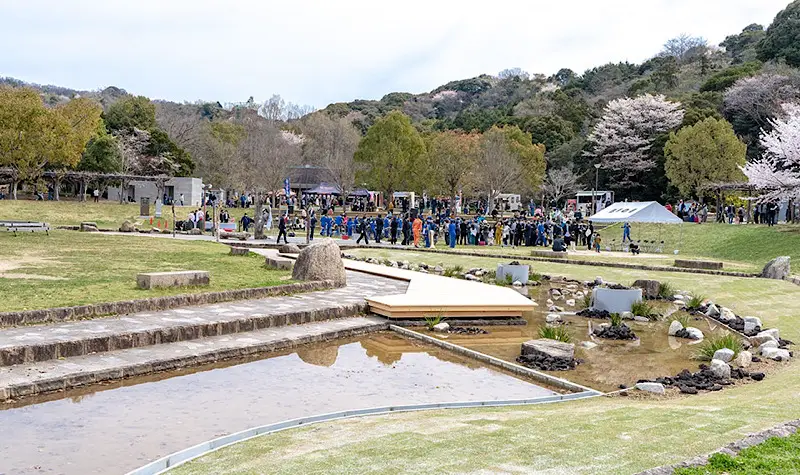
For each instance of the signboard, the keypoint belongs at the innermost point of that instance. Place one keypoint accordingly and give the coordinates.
(286, 188)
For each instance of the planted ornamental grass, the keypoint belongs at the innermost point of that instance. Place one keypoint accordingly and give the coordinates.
(555, 333)
(711, 345)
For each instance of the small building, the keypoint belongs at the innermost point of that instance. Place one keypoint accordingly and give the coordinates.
(190, 188)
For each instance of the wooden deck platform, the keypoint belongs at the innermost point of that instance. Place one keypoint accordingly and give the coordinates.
(431, 295)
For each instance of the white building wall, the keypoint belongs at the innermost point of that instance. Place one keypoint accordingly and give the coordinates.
(192, 189)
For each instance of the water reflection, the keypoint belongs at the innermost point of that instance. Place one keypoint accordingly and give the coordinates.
(126, 424)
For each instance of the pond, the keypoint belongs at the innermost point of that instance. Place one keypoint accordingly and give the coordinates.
(116, 428)
(609, 364)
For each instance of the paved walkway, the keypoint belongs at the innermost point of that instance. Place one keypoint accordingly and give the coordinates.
(74, 338)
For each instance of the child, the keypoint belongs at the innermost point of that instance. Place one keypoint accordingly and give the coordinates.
(597, 240)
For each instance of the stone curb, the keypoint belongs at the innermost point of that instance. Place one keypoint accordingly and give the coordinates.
(58, 314)
(81, 378)
(165, 464)
(781, 430)
(84, 346)
(492, 361)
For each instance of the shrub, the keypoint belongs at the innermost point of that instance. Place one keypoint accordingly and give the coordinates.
(711, 345)
(665, 290)
(695, 302)
(555, 333)
(642, 309)
(682, 319)
(449, 272)
(458, 268)
(432, 321)
(535, 277)
(616, 319)
(509, 279)
(587, 300)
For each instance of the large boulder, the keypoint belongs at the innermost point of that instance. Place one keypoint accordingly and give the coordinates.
(89, 227)
(289, 249)
(778, 268)
(655, 388)
(675, 327)
(649, 287)
(321, 260)
(127, 227)
(724, 354)
(720, 369)
(551, 348)
(744, 359)
(777, 354)
(694, 333)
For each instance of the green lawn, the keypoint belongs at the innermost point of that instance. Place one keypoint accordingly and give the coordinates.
(752, 244)
(601, 435)
(71, 268)
(775, 455)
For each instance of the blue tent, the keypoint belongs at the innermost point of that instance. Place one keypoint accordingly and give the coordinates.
(324, 189)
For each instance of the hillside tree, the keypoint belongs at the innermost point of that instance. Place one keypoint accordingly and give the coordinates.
(777, 172)
(706, 152)
(331, 143)
(391, 155)
(452, 158)
(782, 40)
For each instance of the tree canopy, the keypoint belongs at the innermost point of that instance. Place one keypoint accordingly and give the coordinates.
(782, 40)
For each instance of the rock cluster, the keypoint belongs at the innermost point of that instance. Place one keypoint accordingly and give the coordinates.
(709, 378)
(548, 355)
(618, 332)
(594, 313)
(749, 326)
(468, 331)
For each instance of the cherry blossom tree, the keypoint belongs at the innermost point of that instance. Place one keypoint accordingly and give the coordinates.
(777, 172)
(624, 136)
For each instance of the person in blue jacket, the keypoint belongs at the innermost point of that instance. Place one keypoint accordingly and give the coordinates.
(451, 230)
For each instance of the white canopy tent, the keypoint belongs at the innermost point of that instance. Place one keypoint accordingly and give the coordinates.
(636, 212)
(639, 212)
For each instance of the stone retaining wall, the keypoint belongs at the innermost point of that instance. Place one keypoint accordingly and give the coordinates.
(66, 349)
(58, 314)
(169, 364)
(694, 264)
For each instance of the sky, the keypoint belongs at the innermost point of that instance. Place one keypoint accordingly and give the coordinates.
(317, 52)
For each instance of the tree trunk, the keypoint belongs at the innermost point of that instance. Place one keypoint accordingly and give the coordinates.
(259, 216)
(82, 189)
(14, 190)
(56, 188)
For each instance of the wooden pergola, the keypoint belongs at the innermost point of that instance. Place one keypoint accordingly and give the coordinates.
(59, 177)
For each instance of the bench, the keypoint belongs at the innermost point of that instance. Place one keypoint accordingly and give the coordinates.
(155, 280)
(686, 264)
(278, 262)
(25, 227)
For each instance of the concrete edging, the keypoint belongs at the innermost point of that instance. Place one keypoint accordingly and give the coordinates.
(492, 361)
(181, 457)
(58, 314)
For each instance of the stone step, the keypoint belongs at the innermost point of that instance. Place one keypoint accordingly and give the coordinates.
(34, 378)
(75, 338)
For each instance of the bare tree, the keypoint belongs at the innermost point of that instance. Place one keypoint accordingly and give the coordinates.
(273, 109)
(560, 183)
(499, 167)
(330, 143)
(262, 162)
(182, 122)
(513, 73)
(684, 46)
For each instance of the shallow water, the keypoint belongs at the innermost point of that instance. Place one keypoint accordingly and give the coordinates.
(612, 362)
(113, 429)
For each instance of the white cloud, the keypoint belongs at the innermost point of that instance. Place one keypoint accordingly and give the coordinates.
(322, 51)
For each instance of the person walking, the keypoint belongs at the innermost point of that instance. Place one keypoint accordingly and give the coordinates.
(362, 229)
(96, 195)
(393, 230)
(417, 229)
(312, 221)
(626, 232)
(181, 199)
(282, 228)
(451, 233)
(378, 229)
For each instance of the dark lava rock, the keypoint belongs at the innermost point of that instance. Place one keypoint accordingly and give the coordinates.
(687, 389)
(593, 313)
(621, 332)
(514, 263)
(618, 287)
(715, 387)
(622, 386)
(757, 376)
(682, 333)
(547, 363)
(468, 331)
(756, 359)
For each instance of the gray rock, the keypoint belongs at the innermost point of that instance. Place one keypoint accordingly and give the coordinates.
(754, 320)
(655, 388)
(438, 269)
(627, 315)
(720, 369)
(555, 293)
(777, 354)
(724, 354)
(570, 302)
(712, 311)
(289, 249)
(744, 359)
(552, 318)
(552, 348)
(773, 332)
(517, 283)
(127, 227)
(598, 280)
(778, 268)
(640, 319)
(766, 345)
(760, 339)
(588, 344)
(479, 273)
(727, 315)
(555, 309)
(694, 333)
(89, 227)
(749, 327)
(471, 277)
(675, 327)
(443, 327)
(321, 260)
(649, 287)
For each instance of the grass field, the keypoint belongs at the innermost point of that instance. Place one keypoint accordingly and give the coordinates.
(775, 455)
(71, 268)
(601, 435)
